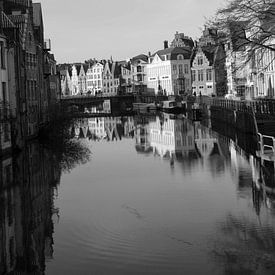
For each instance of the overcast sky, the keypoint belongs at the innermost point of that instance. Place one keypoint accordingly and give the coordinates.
(99, 29)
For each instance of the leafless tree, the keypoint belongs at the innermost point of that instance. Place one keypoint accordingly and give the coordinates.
(249, 25)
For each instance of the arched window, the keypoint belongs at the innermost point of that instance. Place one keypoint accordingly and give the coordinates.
(180, 57)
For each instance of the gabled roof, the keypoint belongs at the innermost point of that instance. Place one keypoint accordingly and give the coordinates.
(78, 68)
(209, 52)
(124, 64)
(85, 67)
(116, 69)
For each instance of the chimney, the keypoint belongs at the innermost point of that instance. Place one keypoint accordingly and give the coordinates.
(165, 44)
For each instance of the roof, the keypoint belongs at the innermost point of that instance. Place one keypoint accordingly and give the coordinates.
(85, 67)
(78, 68)
(174, 52)
(209, 52)
(140, 57)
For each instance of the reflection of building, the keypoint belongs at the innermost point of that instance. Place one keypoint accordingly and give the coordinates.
(26, 200)
(142, 135)
(172, 137)
(104, 128)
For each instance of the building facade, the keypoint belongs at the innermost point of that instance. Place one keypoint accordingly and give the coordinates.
(111, 79)
(5, 127)
(139, 73)
(95, 79)
(169, 72)
(208, 71)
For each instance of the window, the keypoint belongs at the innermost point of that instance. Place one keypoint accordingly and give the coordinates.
(3, 60)
(186, 68)
(200, 60)
(193, 75)
(200, 75)
(174, 67)
(180, 57)
(208, 74)
(180, 68)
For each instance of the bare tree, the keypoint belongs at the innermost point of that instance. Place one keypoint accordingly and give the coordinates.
(248, 24)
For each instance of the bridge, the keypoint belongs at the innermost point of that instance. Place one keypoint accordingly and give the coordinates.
(93, 100)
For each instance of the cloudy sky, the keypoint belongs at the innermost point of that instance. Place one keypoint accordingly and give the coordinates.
(86, 29)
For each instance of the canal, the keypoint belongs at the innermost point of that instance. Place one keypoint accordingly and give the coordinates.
(139, 195)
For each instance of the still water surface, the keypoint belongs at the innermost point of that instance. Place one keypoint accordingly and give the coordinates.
(159, 195)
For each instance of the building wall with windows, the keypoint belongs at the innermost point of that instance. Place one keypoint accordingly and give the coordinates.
(82, 79)
(94, 79)
(75, 80)
(203, 77)
(168, 72)
(139, 73)
(111, 81)
(265, 77)
(5, 130)
(126, 78)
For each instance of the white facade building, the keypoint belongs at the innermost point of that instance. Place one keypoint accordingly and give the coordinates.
(168, 71)
(74, 79)
(95, 79)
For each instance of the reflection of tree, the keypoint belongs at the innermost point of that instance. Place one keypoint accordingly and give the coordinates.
(245, 247)
(69, 152)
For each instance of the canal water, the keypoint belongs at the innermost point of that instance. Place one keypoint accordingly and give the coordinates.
(144, 195)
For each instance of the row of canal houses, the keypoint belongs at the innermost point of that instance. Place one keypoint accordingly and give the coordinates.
(215, 65)
(29, 81)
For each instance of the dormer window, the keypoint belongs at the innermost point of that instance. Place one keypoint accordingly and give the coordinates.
(180, 57)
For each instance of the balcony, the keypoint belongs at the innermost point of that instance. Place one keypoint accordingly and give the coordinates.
(47, 45)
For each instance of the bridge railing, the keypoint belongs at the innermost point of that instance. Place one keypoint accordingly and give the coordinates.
(266, 143)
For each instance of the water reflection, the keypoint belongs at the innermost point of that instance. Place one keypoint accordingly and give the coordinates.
(245, 247)
(210, 145)
(28, 184)
(227, 199)
(103, 128)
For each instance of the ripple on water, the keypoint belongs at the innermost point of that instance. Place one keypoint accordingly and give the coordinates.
(103, 244)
